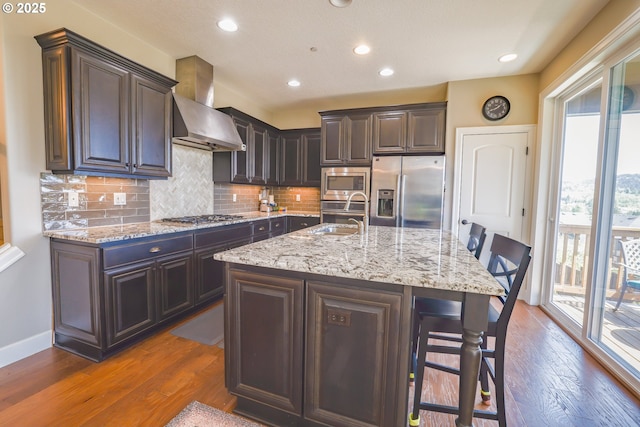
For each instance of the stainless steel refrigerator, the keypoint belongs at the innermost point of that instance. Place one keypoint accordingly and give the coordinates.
(407, 191)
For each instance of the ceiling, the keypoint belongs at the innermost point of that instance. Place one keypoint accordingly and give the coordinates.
(426, 42)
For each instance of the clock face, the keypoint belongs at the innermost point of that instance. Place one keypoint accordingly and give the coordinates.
(496, 108)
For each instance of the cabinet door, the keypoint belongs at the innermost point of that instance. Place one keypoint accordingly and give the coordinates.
(174, 284)
(151, 125)
(290, 167)
(263, 346)
(426, 130)
(210, 273)
(272, 161)
(311, 159)
(351, 363)
(130, 301)
(389, 132)
(359, 140)
(333, 135)
(258, 155)
(100, 113)
(240, 159)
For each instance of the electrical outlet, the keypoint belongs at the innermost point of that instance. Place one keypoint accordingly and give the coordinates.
(297, 197)
(73, 199)
(119, 199)
(234, 198)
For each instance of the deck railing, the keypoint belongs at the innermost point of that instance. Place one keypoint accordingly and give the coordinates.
(572, 258)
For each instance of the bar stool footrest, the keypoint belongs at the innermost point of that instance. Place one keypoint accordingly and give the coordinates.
(478, 413)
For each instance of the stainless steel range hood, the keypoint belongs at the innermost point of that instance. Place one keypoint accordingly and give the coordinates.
(195, 122)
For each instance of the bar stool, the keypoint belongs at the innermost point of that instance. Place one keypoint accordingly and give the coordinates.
(508, 263)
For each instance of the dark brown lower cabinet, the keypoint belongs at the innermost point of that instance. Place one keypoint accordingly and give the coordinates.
(209, 281)
(342, 369)
(174, 284)
(108, 296)
(130, 301)
(263, 353)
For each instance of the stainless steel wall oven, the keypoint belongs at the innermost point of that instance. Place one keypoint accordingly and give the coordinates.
(336, 187)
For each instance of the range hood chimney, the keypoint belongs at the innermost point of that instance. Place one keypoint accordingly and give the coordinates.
(195, 122)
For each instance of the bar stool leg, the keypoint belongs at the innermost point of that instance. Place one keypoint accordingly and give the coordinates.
(470, 357)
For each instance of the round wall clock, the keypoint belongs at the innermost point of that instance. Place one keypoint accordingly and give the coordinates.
(496, 108)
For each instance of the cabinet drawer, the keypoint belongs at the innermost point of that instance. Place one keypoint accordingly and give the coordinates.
(260, 227)
(125, 254)
(298, 223)
(277, 224)
(223, 234)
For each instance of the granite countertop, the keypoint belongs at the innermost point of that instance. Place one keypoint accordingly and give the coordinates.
(116, 233)
(404, 256)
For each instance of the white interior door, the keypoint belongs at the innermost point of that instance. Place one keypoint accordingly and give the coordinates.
(491, 177)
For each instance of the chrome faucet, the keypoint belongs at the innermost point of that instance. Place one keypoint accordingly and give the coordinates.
(363, 226)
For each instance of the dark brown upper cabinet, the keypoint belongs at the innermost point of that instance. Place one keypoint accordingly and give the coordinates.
(104, 114)
(255, 165)
(273, 156)
(418, 129)
(346, 139)
(300, 155)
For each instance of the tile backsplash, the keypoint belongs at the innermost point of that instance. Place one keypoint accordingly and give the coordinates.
(190, 191)
(247, 198)
(95, 201)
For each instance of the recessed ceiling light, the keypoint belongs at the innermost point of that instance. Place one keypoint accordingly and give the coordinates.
(386, 72)
(293, 83)
(228, 25)
(508, 57)
(340, 3)
(362, 49)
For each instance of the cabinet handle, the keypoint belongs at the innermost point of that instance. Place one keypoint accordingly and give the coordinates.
(304, 224)
(155, 249)
(127, 164)
(262, 228)
(135, 165)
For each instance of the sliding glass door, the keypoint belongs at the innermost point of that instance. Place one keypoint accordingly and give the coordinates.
(577, 177)
(597, 211)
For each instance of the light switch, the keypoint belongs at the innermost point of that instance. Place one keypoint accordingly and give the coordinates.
(297, 197)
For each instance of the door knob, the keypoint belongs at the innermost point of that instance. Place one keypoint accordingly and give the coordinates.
(465, 222)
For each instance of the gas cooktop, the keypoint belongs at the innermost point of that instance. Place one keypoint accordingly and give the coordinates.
(202, 219)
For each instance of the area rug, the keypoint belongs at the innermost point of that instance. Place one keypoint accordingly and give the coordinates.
(207, 328)
(198, 414)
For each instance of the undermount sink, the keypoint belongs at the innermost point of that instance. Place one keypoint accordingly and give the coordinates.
(333, 230)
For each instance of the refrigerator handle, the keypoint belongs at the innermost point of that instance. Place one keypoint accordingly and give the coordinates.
(400, 196)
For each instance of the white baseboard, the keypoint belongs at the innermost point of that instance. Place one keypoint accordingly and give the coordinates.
(25, 348)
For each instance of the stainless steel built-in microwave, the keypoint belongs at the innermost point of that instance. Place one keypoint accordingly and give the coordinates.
(339, 183)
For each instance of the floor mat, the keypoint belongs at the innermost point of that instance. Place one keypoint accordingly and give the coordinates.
(199, 414)
(207, 328)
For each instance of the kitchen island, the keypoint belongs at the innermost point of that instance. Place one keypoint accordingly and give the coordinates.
(318, 325)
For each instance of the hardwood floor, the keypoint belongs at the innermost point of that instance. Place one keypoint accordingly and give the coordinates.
(551, 381)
